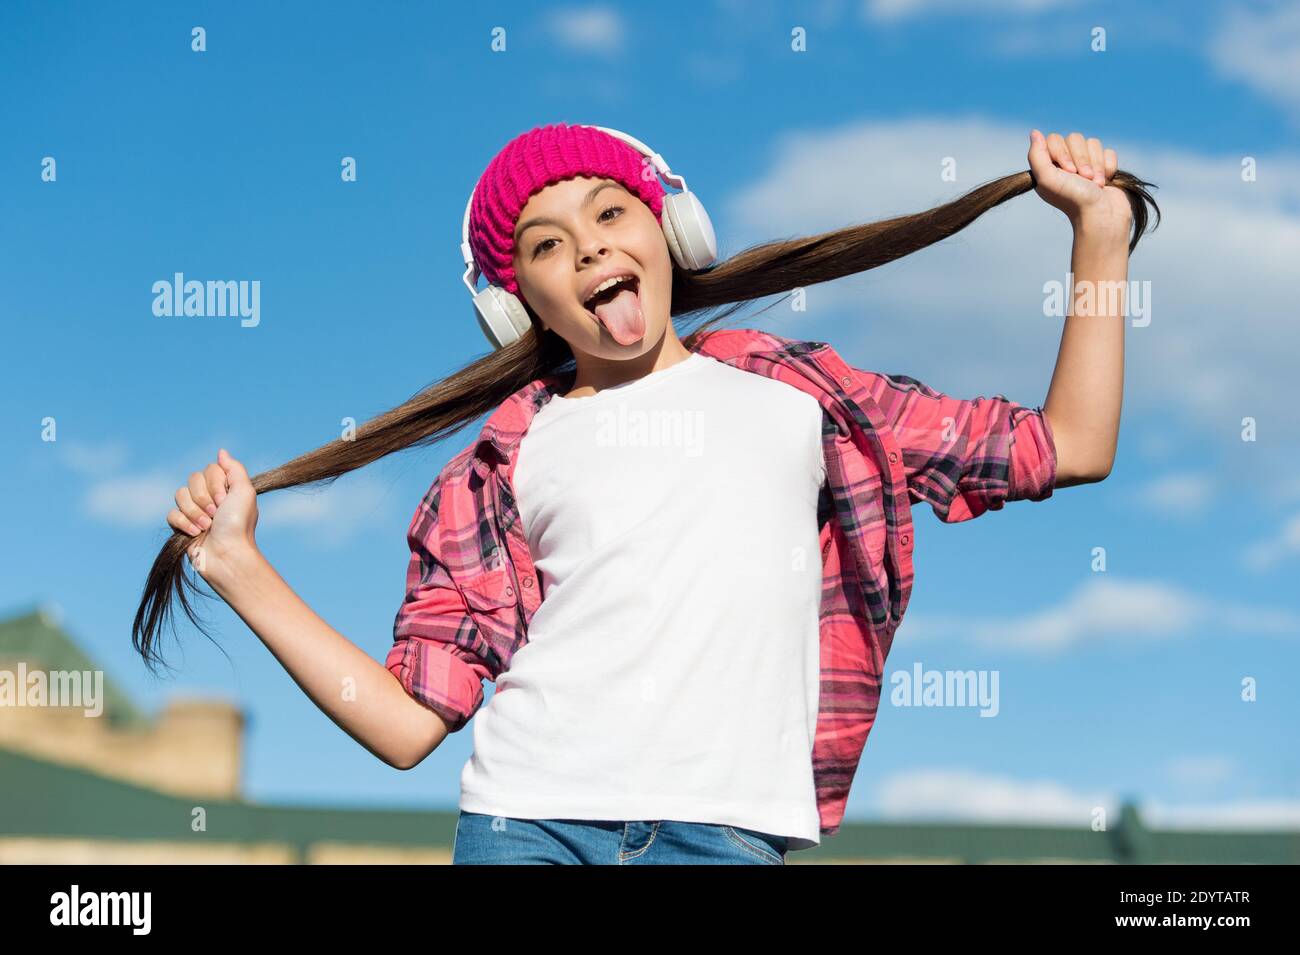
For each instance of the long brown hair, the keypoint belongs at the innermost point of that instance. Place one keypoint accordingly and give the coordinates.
(446, 406)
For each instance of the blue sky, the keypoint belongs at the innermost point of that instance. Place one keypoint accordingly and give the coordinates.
(226, 165)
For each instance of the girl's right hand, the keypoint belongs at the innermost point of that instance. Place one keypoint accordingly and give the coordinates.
(218, 509)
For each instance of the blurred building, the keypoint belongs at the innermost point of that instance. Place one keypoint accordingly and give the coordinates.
(87, 777)
(192, 748)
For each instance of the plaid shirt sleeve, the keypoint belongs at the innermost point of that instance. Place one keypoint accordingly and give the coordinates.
(438, 653)
(965, 457)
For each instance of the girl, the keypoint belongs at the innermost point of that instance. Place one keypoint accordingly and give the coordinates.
(629, 548)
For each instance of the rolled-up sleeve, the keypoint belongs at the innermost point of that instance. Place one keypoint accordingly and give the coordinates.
(438, 653)
(966, 456)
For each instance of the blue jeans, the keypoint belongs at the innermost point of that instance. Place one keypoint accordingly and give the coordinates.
(499, 840)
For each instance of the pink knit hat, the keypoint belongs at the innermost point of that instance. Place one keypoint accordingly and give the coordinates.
(528, 164)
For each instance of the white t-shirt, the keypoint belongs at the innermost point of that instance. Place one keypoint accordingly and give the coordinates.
(672, 669)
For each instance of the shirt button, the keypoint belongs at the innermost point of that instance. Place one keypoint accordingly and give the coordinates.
(893, 456)
(846, 381)
(905, 538)
(528, 582)
(510, 591)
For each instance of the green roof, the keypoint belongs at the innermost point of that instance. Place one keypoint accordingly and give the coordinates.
(37, 639)
(41, 798)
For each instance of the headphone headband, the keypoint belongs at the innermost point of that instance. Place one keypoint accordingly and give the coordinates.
(472, 272)
(686, 227)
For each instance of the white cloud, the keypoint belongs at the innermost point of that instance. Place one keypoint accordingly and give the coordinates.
(1261, 48)
(1268, 553)
(329, 515)
(1040, 42)
(1242, 814)
(138, 500)
(1181, 495)
(1105, 608)
(884, 10)
(967, 312)
(958, 794)
(595, 29)
(93, 459)
(134, 501)
(983, 797)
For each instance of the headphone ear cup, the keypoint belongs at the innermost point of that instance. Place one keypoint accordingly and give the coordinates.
(670, 234)
(689, 231)
(501, 316)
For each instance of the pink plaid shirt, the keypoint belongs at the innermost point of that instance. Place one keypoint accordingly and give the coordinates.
(889, 442)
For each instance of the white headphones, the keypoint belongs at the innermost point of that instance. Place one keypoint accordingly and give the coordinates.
(686, 225)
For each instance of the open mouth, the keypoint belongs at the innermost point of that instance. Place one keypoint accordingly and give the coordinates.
(617, 309)
(628, 283)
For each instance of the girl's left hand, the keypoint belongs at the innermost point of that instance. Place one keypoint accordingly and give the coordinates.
(1073, 174)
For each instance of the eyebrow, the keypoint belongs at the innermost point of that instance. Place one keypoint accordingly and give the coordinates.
(545, 220)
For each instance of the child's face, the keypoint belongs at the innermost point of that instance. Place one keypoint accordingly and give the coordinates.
(556, 262)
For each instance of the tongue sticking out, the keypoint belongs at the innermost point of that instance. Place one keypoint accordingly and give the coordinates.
(622, 316)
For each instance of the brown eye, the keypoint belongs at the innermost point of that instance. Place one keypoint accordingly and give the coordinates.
(538, 250)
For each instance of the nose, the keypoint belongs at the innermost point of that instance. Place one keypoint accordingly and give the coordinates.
(592, 248)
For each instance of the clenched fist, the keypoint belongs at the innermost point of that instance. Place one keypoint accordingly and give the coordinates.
(1074, 175)
(218, 508)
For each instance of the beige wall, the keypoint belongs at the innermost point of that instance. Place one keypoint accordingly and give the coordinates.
(195, 748)
(41, 850)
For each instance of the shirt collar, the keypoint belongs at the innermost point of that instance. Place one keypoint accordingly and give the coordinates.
(506, 426)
